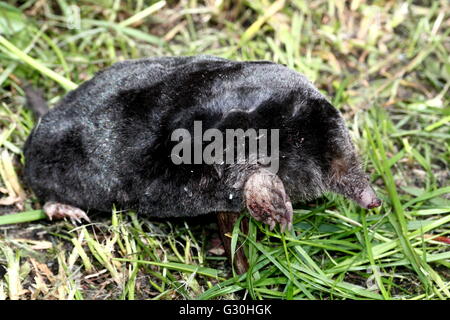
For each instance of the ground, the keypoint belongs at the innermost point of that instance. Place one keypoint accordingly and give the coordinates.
(384, 64)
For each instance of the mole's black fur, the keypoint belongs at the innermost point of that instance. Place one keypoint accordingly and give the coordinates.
(109, 141)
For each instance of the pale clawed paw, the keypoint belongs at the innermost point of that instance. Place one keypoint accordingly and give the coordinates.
(267, 200)
(55, 210)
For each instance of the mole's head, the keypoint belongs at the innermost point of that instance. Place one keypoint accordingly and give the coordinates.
(322, 157)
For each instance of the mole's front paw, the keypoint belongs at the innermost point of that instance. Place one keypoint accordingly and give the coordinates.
(55, 210)
(267, 200)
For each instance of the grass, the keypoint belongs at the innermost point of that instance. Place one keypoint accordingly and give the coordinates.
(384, 64)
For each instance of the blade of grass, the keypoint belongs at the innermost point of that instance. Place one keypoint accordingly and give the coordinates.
(399, 221)
(209, 272)
(13, 50)
(143, 14)
(22, 217)
(369, 252)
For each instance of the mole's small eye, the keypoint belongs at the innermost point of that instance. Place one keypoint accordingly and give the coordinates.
(299, 142)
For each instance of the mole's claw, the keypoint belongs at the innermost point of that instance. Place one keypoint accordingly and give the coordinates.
(282, 225)
(271, 224)
(267, 200)
(59, 211)
(285, 223)
(75, 221)
(289, 215)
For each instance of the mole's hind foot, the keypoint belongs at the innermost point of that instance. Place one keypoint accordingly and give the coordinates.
(267, 200)
(55, 210)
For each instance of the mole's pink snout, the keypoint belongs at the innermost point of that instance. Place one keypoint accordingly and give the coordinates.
(368, 199)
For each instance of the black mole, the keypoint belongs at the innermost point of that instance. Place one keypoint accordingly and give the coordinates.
(109, 142)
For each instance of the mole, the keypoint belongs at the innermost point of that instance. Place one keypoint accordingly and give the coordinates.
(110, 142)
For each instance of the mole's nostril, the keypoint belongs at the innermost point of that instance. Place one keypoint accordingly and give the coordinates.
(375, 203)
